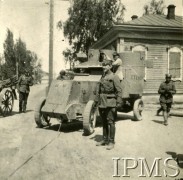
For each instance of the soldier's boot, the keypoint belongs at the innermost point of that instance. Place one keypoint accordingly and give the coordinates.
(111, 136)
(105, 140)
(20, 106)
(158, 111)
(165, 115)
(24, 106)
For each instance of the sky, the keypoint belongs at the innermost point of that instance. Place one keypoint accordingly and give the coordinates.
(29, 19)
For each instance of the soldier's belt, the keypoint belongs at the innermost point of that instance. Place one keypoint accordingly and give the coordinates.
(109, 95)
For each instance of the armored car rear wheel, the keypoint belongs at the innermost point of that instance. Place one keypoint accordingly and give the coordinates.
(6, 102)
(41, 119)
(89, 118)
(137, 109)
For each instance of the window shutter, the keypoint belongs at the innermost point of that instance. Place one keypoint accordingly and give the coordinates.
(174, 64)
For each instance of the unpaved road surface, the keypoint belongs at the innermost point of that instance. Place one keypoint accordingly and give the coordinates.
(30, 153)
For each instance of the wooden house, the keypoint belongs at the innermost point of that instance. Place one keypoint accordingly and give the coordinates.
(159, 38)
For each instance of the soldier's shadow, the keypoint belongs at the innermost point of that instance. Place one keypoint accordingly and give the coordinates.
(66, 127)
(177, 157)
(97, 138)
(124, 116)
(159, 122)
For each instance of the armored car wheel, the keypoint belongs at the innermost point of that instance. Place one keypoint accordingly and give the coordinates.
(137, 109)
(6, 102)
(41, 119)
(89, 118)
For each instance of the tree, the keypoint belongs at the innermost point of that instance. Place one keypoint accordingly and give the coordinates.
(89, 20)
(21, 55)
(154, 7)
(18, 53)
(9, 55)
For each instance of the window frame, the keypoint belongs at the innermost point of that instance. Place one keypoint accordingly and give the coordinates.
(176, 50)
(140, 47)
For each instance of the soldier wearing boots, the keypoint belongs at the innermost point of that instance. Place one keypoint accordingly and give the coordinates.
(23, 88)
(108, 98)
(166, 91)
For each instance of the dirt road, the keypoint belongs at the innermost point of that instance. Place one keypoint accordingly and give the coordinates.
(28, 153)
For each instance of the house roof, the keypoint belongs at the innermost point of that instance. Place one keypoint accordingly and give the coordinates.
(146, 27)
(157, 20)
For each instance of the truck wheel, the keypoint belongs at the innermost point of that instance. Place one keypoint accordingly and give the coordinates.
(137, 109)
(89, 118)
(6, 102)
(40, 119)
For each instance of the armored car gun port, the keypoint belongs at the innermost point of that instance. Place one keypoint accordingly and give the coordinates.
(69, 100)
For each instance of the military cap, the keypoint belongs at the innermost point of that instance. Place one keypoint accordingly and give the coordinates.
(168, 75)
(107, 62)
(62, 72)
(101, 52)
(115, 54)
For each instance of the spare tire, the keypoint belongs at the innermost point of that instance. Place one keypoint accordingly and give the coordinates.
(137, 109)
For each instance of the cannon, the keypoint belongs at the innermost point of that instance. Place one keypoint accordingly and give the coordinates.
(70, 100)
(7, 96)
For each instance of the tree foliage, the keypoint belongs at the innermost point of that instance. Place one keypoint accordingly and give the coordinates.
(16, 52)
(89, 20)
(154, 7)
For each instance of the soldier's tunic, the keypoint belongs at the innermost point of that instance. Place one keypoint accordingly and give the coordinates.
(108, 96)
(23, 87)
(166, 91)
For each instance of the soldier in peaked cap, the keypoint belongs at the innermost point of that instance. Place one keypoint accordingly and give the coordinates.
(23, 88)
(108, 97)
(117, 65)
(166, 91)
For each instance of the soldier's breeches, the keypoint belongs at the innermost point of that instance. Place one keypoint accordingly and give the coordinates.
(166, 106)
(23, 101)
(108, 116)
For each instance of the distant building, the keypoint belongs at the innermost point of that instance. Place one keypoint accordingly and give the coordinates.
(159, 38)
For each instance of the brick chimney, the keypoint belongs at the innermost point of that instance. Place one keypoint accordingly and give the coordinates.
(171, 12)
(134, 17)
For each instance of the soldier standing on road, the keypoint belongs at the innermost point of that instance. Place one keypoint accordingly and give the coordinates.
(23, 88)
(117, 66)
(108, 97)
(166, 91)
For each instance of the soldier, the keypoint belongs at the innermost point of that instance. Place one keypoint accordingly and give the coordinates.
(166, 91)
(62, 75)
(108, 98)
(117, 65)
(23, 88)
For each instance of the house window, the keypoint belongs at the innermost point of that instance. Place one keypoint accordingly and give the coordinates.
(175, 63)
(143, 51)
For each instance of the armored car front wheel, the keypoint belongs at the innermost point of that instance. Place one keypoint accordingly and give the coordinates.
(89, 118)
(137, 109)
(41, 119)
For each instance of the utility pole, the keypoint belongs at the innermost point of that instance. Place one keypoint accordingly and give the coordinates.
(51, 42)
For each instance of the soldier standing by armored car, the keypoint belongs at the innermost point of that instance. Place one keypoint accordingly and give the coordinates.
(23, 88)
(166, 91)
(117, 66)
(108, 97)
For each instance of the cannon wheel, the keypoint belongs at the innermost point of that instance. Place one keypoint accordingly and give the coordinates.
(137, 109)
(6, 102)
(40, 119)
(89, 118)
